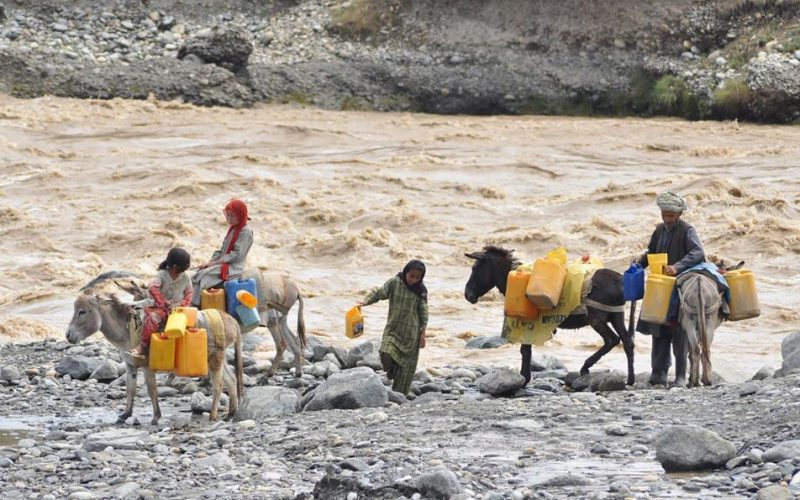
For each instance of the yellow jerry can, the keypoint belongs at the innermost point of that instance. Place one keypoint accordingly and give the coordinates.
(162, 353)
(191, 353)
(191, 315)
(744, 300)
(517, 304)
(657, 262)
(354, 323)
(657, 295)
(213, 298)
(546, 281)
(176, 325)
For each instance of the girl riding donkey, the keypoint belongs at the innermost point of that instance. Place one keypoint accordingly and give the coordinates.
(170, 288)
(227, 262)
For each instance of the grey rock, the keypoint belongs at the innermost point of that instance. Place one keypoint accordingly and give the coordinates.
(500, 382)
(748, 389)
(794, 484)
(129, 490)
(349, 389)
(200, 403)
(735, 462)
(10, 373)
(106, 372)
(78, 367)
(361, 352)
(226, 46)
(688, 447)
(219, 461)
(787, 450)
(774, 492)
(268, 401)
(119, 439)
(438, 483)
(565, 480)
(763, 373)
(486, 342)
(790, 348)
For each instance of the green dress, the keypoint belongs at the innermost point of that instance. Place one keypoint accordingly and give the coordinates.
(408, 316)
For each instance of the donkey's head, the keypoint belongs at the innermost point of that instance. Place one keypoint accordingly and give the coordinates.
(490, 270)
(97, 299)
(86, 318)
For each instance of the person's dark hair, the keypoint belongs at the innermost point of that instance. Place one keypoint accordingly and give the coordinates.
(177, 257)
(419, 288)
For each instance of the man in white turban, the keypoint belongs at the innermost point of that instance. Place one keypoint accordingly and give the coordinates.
(680, 242)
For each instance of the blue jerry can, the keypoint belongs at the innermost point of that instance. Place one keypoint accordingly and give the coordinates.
(233, 286)
(633, 283)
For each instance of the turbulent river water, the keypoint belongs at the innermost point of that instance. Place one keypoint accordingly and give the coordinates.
(341, 200)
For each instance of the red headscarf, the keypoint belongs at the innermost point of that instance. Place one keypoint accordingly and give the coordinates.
(240, 209)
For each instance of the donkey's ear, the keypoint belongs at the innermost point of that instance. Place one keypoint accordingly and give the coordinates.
(738, 266)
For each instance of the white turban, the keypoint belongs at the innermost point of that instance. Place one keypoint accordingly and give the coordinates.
(671, 202)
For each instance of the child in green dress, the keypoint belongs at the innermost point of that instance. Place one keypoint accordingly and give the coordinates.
(404, 334)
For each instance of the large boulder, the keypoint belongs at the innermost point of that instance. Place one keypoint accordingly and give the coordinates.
(349, 389)
(689, 448)
(268, 401)
(78, 367)
(225, 46)
(790, 350)
(501, 382)
(775, 88)
(364, 354)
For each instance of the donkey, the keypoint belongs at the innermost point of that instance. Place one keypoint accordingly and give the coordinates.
(604, 305)
(277, 294)
(699, 315)
(95, 311)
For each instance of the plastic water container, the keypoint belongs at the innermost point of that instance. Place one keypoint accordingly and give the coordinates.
(247, 315)
(744, 300)
(212, 298)
(657, 262)
(633, 283)
(176, 325)
(191, 315)
(162, 353)
(657, 295)
(232, 287)
(247, 299)
(546, 281)
(191, 353)
(354, 323)
(517, 304)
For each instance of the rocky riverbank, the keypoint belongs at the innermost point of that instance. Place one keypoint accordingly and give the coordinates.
(721, 59)
(339, 432)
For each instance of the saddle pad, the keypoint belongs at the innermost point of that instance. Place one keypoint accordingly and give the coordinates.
(215, 326)
(540, 330)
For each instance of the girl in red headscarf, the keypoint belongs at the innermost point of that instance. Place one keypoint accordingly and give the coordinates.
(227, 262)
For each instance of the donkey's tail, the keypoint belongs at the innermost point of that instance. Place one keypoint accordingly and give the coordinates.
(701, 327)
(301, 323)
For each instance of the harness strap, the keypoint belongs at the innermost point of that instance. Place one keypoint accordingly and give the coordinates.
(603, 307)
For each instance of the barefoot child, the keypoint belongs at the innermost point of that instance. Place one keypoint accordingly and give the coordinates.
(170, 288)
(404, 334)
